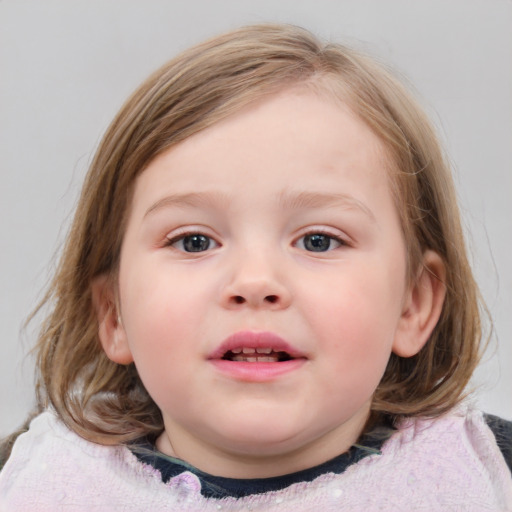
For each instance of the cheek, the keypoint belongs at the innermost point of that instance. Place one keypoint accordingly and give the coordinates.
(356, 347)
(158, 314)
(162, 333)
(356, 320)
(155, 294)
(363, 301)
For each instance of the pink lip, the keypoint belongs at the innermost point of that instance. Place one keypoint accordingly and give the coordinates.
(255, 339)
(255, 371)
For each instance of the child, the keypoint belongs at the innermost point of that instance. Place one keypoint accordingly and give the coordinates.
(264, 302)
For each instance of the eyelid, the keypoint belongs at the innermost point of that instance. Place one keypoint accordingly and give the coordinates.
(333, 233)
(180, 233)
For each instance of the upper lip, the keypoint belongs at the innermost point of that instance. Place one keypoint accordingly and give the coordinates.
(256, 340)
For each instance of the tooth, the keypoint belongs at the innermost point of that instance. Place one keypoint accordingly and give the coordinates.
(248, 350)
(236, 350)
(255, 359)
(264, 350)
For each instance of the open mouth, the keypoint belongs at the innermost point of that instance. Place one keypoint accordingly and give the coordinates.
(256, 355)
(251, 356)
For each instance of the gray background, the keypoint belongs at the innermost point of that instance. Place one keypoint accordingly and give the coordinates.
(66, 67)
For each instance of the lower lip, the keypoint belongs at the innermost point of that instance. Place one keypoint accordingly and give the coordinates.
(256, 372)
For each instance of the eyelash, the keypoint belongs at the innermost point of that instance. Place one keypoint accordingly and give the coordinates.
(322, 233)
(206, 239)
(170, 242)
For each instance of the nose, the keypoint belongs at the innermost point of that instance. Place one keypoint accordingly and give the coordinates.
(256, 283)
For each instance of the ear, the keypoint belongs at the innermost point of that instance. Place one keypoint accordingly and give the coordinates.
(110, 328)
(422, 306)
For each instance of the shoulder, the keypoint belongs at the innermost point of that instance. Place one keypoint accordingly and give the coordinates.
(51, 464)
(456, 453)
(466, 430)
(48, 440)
(482, 439)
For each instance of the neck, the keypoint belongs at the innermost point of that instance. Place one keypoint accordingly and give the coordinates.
(263, 460)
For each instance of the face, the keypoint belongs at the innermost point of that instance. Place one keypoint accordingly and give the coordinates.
(262, 286)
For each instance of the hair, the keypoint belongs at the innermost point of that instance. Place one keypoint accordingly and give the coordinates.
(106, 402)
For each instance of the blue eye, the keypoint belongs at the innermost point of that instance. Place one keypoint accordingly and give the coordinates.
(194, 242)
(319, 242)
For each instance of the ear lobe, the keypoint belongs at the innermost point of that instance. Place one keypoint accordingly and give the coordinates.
(110, 329)
(422, 307)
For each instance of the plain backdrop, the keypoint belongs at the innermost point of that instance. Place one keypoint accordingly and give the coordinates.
(67, 66)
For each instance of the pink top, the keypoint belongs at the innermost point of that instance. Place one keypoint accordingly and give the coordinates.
(448, 464)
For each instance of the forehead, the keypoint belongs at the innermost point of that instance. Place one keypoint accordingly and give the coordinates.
(296, 137)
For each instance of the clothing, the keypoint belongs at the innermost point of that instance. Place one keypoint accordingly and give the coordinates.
(369, 444)
(220, 487)
(450, 463)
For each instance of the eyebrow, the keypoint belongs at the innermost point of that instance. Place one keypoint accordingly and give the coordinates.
(207, 199)
(289, 199)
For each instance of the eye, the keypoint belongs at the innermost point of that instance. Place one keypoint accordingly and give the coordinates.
(193, 242)
(319, 242)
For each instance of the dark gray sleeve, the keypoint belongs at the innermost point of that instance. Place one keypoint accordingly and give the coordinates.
(502, 430)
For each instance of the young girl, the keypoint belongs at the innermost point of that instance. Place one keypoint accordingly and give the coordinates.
(264, 302)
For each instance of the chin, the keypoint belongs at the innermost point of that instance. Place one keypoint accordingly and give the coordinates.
(262, 438)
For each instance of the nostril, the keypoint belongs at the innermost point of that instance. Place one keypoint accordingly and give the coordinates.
(255, 301)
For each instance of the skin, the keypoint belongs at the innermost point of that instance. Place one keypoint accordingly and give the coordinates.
(256, 187)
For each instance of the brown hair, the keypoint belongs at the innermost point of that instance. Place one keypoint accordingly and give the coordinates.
(106, 402)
